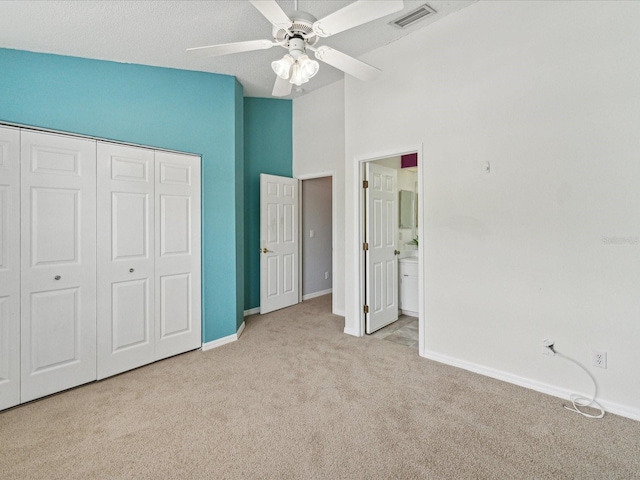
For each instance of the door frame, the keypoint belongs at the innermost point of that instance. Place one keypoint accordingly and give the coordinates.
(361, 161)
(311, 176)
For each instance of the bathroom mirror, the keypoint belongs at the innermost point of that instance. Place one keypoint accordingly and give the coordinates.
(407, 212)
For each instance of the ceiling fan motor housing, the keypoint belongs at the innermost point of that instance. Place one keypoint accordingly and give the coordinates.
(302, 27)
(296, 46)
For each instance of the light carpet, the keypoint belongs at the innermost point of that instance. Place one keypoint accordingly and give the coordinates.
(297, 398)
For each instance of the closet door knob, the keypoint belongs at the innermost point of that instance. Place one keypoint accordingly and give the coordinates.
(131, 270)
(57, 277)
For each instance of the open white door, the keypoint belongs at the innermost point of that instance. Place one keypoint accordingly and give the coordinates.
(279, 242)
(381, 256)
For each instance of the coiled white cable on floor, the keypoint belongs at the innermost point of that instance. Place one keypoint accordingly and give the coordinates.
(577, 400)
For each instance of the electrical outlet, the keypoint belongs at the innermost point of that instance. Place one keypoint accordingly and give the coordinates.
(326, 275)
(545, 347)
(599, 359)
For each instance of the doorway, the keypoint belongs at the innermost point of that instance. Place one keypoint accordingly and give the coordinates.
(405, 280)
(317, 265)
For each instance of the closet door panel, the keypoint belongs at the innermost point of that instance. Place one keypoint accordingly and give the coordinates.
(130, 314)
(58, 327)
(175, 304)
(55, 232)
(126, 324)
(178, 295)
(55, 329)
(9, 267)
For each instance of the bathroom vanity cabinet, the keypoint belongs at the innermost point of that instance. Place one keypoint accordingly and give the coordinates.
(408, 286)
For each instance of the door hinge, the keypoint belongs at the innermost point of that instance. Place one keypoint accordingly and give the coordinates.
(365, 246)
(365, 184)
(366, 308)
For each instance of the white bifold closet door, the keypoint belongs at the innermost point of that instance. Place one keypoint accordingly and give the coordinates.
(149, 256)
(178, 256)
(125, 258)
(58, 285)
(9, 267)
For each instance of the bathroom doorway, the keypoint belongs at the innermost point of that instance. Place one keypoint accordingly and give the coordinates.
(391, 279)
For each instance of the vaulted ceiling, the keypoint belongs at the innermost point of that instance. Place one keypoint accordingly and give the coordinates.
(158, 33)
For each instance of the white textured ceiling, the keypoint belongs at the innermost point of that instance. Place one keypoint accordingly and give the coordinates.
(157, 33)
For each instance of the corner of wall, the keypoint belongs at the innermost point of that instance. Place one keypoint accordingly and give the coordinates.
(239, 202)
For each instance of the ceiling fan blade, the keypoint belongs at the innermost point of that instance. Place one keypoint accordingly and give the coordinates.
(282, 88)
(355, 68)
(273, 12)
(227, 48)
(357, 13)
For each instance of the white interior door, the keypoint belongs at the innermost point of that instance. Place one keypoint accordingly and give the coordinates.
(279, 252)
(58, 308)
(178, 257)
(9, 267)
(125, 258)
(381, 257)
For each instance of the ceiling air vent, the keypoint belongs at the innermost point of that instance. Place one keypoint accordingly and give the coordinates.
(413, 16)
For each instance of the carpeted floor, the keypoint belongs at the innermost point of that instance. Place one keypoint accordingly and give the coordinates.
(297, 398)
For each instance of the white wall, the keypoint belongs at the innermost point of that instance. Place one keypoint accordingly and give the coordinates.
(317, 249)
(546, 245)
(318, 149)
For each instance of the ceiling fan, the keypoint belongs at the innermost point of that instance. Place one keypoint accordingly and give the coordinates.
(299, 32)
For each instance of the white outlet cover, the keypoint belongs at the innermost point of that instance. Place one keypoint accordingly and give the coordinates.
(599, 359)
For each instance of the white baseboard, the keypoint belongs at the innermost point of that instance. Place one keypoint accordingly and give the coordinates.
(351, 331)
(340, 313)
(309, 296)
(223, 340)
(611, 407)
(240, 330)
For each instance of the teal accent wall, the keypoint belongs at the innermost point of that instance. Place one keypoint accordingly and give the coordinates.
(174, 109)
(268, 149)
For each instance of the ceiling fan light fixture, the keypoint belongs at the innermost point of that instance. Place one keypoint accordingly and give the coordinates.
(282, 67)
(303, 69)
(308, 67)
(297, 75)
